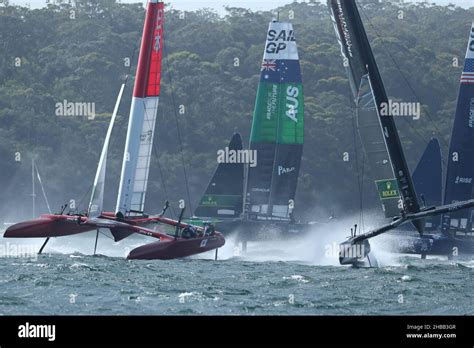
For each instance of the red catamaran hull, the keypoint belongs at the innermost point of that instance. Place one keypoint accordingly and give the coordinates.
(167, 250)
(48, 226)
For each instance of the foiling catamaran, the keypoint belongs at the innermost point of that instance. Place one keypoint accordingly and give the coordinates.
(257, 200)
(397, 184)
(453, 232)
(129, 217)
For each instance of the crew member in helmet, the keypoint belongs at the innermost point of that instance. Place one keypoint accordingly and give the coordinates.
(209, 229)
(189, 232)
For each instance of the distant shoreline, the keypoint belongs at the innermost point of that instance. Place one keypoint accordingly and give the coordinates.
(218, 5)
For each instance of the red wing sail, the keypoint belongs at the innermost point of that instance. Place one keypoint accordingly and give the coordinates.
(154, 75)
(148, 77)
(142, 119)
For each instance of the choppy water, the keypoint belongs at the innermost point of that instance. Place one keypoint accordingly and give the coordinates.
(68, 281)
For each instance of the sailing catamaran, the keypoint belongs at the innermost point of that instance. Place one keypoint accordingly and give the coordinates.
(370, 96)
(427, 175)
(129, 217)
(453, 233)
(258, 201)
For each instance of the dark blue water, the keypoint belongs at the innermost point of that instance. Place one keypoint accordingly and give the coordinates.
(254, 284)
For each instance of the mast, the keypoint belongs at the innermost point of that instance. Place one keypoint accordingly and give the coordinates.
(141, 126)
(33, 193)
(277, 134)
(460, 172)
(354, 38)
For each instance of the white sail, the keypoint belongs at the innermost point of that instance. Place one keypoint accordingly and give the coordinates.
(97, 198)
(137, 156)
(141, 126)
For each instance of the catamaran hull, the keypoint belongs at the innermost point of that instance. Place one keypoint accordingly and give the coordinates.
(354, 254)
(167, 250)
(432, 245)
(47, 226)
(50, 226)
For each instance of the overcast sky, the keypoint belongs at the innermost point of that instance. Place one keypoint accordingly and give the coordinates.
(218, 5)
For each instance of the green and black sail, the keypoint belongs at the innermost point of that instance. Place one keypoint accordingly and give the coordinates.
(277, 130)
(355, 46)
(224, 194)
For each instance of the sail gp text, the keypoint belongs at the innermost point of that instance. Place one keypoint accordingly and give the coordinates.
(276, 40)
(37, 331)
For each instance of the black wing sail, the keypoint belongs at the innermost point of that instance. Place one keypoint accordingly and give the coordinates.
(368, 124)
(428, 181)
(353, 39)
(460, 174)
(224, 194)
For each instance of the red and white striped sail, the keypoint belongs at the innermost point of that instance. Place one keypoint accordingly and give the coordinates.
(141, 126)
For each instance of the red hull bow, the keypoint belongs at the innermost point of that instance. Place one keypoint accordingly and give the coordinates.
(48, 226)
(167, 250)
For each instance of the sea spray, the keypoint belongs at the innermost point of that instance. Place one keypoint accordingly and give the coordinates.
(318, 247)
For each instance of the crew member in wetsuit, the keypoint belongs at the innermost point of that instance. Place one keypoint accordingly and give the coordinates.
(189, 232)
(209, 229)
(119, 216)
